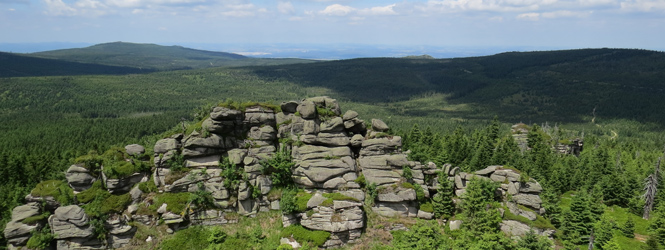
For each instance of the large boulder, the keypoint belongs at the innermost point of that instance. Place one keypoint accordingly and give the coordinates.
(379, 125)
(79, 178)
(165, 145)
(307, 110)
(134, 149)
(70, 222)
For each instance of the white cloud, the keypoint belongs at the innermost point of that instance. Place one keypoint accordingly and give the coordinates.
(11, 9)
(565, 13)
(285, 8)
(448, 6)
(380, 10)
(59, 8)
(529, 16)
(643, 5)
(337, 10)
(89, 4)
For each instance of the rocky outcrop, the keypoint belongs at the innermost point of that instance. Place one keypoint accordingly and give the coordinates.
(213, 173)
(16, 231)
(79, 178)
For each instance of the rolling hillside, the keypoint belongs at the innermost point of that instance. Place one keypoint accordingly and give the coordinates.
(530, 86)
(152, 56)
(18, 65)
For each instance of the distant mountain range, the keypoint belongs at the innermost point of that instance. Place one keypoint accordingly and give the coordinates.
(132, 57)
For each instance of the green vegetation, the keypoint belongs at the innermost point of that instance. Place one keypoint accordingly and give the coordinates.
(177, 202)
(301, 234)
(279, 167)
(36, 218)
(195, 237)
(59, 190)
(40, 239)
(294, 201)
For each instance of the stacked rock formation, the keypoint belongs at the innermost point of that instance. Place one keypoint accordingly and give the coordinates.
(336, 157)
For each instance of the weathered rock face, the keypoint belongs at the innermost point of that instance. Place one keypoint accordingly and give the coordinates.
(16, 232)
(79, 178)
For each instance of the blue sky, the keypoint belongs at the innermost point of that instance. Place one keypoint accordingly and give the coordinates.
(473, 23)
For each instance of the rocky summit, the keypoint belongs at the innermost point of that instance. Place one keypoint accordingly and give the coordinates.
(222, 169)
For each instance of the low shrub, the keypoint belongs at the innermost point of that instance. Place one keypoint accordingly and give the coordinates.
(177, 202)
(40, 239)
(57, 189)
(301, 234)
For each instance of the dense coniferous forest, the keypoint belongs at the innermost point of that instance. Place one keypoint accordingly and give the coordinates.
(612, 98)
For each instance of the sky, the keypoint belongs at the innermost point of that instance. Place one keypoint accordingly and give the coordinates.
(439, 23)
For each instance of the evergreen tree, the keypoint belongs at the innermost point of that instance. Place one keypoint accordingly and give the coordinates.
(457, 147)
(578, 220)
(603, 231)
(479, 206)
(657, 225)
(443, 204)
(539, 155)
(533, 241)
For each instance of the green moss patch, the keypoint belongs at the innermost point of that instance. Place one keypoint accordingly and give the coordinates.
(427, 207)
(37, 218)
(177, 202)
(92, 192)
(148, 186)
(302, 198)
(301, 234)
(57, 189)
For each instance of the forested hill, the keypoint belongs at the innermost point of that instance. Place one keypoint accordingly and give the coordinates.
(152, 56)
(17, 65)
(530, 86)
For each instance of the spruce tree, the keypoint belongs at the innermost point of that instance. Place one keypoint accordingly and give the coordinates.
(443, 204)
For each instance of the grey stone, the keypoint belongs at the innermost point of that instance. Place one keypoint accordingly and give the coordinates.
(316, 200)
(165, 145)
(514, 209)
(398, 196)
(134, 149)
(162, 208)
(310, 127)
(497, 178)
(333, 125)
(392, 209)
(425, 215)
(357, 140)
(135, 193)
(289, 107)
(307, 110)
(486, 171)
(212, 141)
(18, 233)
(224, 114)
(327, 102)
(204, 161)
(379, 125)
(531, 187)
(455, 225)
(79, 178)
(21, 212)
(529, 200)
(349, 114)
(459, 183)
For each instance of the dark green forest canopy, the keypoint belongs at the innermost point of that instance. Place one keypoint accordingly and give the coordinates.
(563, 86)
(19, 65)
